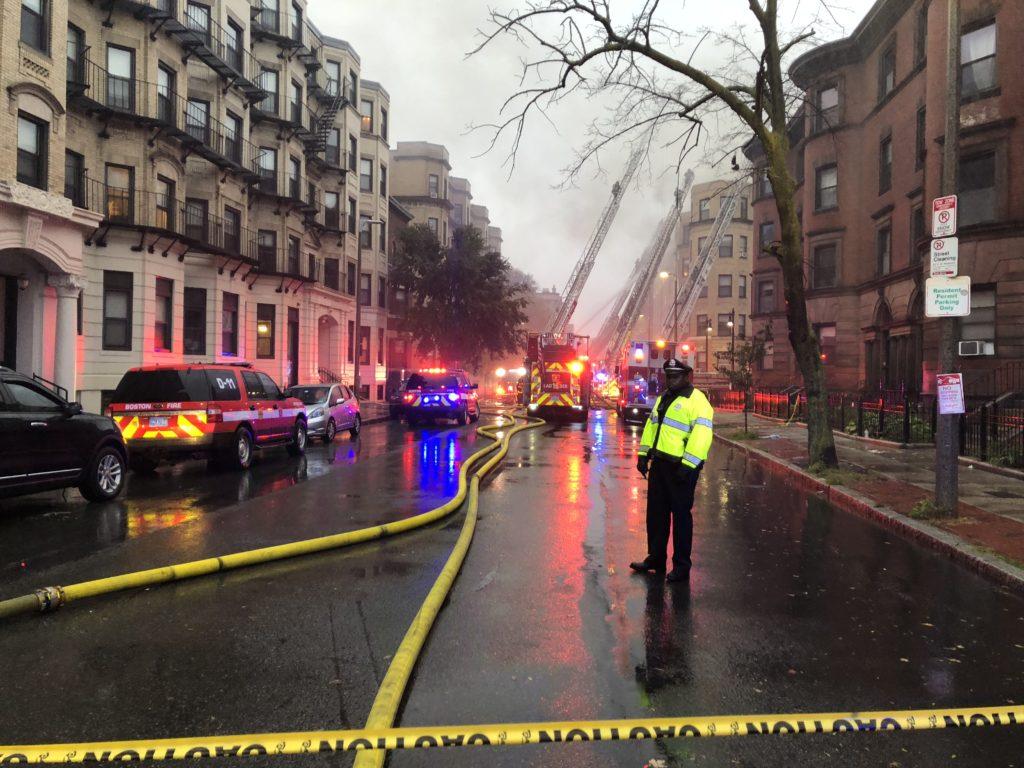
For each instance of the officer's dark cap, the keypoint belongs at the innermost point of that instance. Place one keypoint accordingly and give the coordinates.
(672, 365)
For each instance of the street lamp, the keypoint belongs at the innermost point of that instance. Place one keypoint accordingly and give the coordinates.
(732, 342)
(357, 345)
(707, 349)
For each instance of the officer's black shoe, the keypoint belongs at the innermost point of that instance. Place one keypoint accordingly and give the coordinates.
(642, 566)
(678, 576)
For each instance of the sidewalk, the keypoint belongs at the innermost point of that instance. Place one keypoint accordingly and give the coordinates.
(885, 482)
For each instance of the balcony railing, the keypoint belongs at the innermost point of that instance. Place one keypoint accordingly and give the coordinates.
(297, 189)
(186, 220)
(272, 260)
(97, 90)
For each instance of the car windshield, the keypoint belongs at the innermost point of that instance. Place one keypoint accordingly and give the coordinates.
(308, 395)
(163, 386)
(432, 381)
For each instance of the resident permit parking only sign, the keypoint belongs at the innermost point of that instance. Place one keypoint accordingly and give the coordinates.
(944, 216)
(950, 388)
(947, 296)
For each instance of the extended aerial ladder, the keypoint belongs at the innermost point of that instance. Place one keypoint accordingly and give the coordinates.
(686, 295)
(608, 326)
(581, 273)
(644, 277)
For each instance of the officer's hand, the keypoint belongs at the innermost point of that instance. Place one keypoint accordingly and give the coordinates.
(642, 464)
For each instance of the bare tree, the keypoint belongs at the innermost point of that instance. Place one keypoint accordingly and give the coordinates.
(647, 68)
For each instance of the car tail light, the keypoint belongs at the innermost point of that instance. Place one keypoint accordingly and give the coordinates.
(408, 398)
(214, 416)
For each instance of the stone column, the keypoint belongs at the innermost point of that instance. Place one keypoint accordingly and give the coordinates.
(65, 365)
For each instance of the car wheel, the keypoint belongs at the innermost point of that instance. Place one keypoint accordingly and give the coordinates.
(239, 455)
(143, 464)
(475, 416)
(356, 426)
(297, 446)
(105, 476)
(330, 431)
(462, 419)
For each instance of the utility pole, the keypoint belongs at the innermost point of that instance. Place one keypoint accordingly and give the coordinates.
(946, 433)
(358, 342)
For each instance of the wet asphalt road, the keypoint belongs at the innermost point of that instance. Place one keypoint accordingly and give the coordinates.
(792, 607)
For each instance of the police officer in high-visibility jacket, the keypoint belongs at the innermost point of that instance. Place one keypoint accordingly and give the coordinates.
(674, 447)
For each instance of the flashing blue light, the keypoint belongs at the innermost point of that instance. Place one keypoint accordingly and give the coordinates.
(454, 397)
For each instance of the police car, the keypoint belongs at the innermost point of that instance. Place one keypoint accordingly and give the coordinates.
(438, 393)
(218, 411)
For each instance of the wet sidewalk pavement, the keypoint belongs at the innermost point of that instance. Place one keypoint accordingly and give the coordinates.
(990, 523)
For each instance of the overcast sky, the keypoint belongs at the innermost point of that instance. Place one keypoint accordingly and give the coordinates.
(417, 51)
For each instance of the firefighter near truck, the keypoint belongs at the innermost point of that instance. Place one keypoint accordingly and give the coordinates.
(641, 378)
(560, 376)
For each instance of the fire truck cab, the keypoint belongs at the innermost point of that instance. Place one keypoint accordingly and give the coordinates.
(560, 376)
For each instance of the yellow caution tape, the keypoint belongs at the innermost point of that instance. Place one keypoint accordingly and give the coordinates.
(511, 734)
(51, 598)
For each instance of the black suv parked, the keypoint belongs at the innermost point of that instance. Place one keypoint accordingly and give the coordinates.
(47, 443)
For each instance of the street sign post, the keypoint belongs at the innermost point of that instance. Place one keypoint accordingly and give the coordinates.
(945, 252)
(944, 216)
(950, 388)
(947, 296)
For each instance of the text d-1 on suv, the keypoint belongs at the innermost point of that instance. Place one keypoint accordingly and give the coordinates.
(221, 412)
(47, 443)
(436, 393)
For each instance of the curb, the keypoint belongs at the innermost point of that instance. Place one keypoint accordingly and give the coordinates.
(1005, 574)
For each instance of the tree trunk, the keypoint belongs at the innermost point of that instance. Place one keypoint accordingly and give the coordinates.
(821, 449)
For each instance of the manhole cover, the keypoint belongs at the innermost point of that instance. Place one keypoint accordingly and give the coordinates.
(1004, 494)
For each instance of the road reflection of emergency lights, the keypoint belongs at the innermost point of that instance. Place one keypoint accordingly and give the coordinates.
(439, 468)
(148, 522)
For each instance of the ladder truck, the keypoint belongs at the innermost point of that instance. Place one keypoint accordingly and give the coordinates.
(560, 376)
(581, 273)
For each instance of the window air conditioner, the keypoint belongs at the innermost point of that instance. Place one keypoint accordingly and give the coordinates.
(976, 348)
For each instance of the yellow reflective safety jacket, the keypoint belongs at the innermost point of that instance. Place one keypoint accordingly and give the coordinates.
(685, 433)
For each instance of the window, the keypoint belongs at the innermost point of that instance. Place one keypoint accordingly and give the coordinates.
(724, 321)
(918, 233)
(120, 74)
(120, 188)
(883, 251)
(743, 246)
(332, 149)
(32, 151)
(294, 246)
(353, 152)
(266, 250)
(725, 247)
(764, 184)
(229, 325)
(705, 209)
(294, 178)
(75, 51)
(350, 279)
(164, 202)
(703, 329)
(353, 87)
(296, 22)
(380, 352)
(365, 175)
(766, 296)
(197, 120)
(885, 165)
(383, 181)
(432, 224)
(826, 115)
(365, 281)
(351, 340)
(765, 237)
(296, 102)
(980, 325)
(232, 229)
(266, 167)
(314, 267)
(744, 212)
(117, 310)
(701, 242)
(978, 62)
(163, 315)
(29, 397)
(741, 329)
(826, 188)
(333, 78)
(921, 34)
(364, 345)
(703, 291)
(195, 321)
(826, 333)
(233, 132)
(383, 123)
(976, 188)
(35, 24)
(433, 185)
(332, 214)
(74, 177)
(332, 273)
(265, 331)
(268, 82)
(233, 40)
(366, 110)
(253, 386)
(197, 19)
(742, 289)
(352, 215)
(823, 266)
(887, 73)
(382, 291)
(724, 286)
(365, 231)
(920, 149)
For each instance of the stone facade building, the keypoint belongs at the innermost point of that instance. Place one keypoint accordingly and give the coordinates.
(187, 188)
(867, 151)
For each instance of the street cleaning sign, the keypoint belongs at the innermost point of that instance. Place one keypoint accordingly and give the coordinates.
(944, 216)
(947, 296)
(950, 388)
(945, 252)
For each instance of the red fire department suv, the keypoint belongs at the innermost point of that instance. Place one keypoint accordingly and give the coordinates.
(223, 412)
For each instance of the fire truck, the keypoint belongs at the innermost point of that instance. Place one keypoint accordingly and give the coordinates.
(641, 378)
(560, 376)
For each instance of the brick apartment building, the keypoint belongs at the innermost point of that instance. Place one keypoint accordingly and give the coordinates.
(867, 152)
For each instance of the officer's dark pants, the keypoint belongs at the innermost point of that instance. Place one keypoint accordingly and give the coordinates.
(669, 505)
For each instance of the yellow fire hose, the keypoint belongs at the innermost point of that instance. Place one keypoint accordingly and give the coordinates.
(51, 598)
